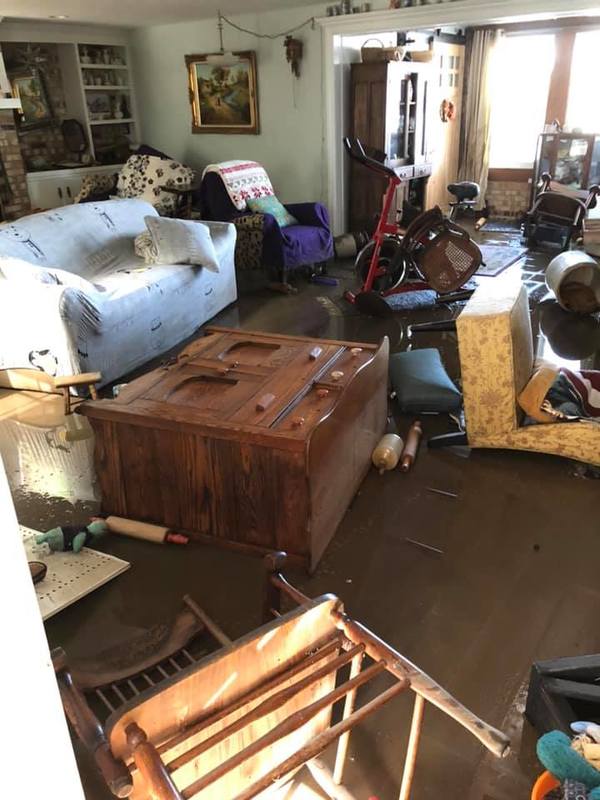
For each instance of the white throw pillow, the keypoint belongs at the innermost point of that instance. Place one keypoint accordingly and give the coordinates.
(16, 269)
(180, 241)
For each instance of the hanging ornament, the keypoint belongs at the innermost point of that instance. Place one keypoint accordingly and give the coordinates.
(293, 53)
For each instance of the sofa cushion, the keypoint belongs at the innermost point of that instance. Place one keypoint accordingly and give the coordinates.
(143, 176)
(536, 389)
(15, 269)
(422, 384)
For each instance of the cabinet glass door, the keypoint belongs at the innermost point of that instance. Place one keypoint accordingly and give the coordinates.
(570, 161)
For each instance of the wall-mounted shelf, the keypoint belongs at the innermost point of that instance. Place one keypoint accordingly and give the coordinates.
(111, 88)
(111, 121)
(9, 103)
(103, 66)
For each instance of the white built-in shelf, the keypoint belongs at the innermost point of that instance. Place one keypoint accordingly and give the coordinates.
(106, 88)
(9, 103)
(103, 66)
(110, 121)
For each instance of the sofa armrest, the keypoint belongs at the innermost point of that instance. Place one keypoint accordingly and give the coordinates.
(313, 214)
(35, 329)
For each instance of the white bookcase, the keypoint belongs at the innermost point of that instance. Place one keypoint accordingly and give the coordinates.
(106, 85)
(98, 87)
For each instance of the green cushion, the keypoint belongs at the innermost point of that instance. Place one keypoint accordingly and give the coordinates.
(422, 384)
(271, 205)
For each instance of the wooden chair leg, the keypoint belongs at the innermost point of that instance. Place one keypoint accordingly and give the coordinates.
(344, 740)
(89, 729)
(413, 747)
(273, 564)
(149, 763)
(67, 400)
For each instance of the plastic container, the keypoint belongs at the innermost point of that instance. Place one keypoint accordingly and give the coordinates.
(544, 784)
(387, 453)
(571, 271)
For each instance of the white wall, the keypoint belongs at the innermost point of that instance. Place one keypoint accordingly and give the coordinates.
(291, 110)
(36, 745)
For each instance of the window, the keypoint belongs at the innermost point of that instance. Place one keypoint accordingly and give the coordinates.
(583, 110)
(519, 83)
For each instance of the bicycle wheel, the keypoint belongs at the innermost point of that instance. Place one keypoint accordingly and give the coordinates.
(391, 261)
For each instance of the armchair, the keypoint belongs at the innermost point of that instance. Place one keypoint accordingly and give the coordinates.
(558, 212)
(261, 242)
(497, 358)
(147, 175)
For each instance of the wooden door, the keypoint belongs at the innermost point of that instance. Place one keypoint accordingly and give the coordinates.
(368, 103)
(446, 84)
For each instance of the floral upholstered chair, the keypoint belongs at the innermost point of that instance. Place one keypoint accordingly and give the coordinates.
(497, 361)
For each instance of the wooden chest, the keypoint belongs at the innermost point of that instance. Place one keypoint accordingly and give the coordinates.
(256, 441)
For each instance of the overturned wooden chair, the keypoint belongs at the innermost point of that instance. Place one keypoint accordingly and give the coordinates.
(240, 722)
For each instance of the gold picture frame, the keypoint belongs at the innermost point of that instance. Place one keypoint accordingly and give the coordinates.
(30, 89)
(223, 92)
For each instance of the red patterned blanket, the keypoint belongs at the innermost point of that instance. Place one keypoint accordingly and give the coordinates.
(243, 180)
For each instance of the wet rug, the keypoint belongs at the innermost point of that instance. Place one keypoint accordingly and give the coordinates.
(498, 257)
(501, 226)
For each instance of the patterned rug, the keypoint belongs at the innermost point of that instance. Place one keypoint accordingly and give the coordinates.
(497, 258)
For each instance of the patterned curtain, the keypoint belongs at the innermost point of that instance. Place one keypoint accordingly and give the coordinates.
(475, 135)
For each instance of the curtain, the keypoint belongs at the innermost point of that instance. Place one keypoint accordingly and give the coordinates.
(475, 134)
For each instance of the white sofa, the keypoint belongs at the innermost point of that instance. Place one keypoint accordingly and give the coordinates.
(104, 310)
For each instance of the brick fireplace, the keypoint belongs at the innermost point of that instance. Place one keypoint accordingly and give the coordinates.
(13, 183)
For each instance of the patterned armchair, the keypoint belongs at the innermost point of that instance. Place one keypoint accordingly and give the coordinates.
(496, 360)
(142, 176)
(261, 242)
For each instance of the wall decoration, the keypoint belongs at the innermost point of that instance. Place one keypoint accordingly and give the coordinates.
(293, 52)
(223, 92)
(29, 88)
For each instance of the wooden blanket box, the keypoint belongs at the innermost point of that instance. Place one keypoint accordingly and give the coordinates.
(250, 440)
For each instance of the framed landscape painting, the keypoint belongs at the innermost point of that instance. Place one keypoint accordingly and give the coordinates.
(35, 108)
(223, 93)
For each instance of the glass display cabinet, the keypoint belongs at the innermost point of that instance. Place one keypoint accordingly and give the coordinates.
(572, 159)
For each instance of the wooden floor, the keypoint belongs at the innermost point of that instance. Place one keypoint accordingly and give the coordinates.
(517, 581)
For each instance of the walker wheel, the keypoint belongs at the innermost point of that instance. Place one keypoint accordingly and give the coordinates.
(391, 260)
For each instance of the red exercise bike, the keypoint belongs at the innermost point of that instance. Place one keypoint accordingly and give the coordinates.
(432, 253)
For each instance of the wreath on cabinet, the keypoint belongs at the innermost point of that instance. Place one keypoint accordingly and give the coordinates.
(447, 110)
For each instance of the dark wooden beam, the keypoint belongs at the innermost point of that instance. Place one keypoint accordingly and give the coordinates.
(558, 94)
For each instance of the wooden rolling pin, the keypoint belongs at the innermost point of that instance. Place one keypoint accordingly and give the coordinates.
(144, 530)
(411, 447)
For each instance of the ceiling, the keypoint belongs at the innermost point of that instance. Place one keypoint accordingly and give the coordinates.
(132, 13)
